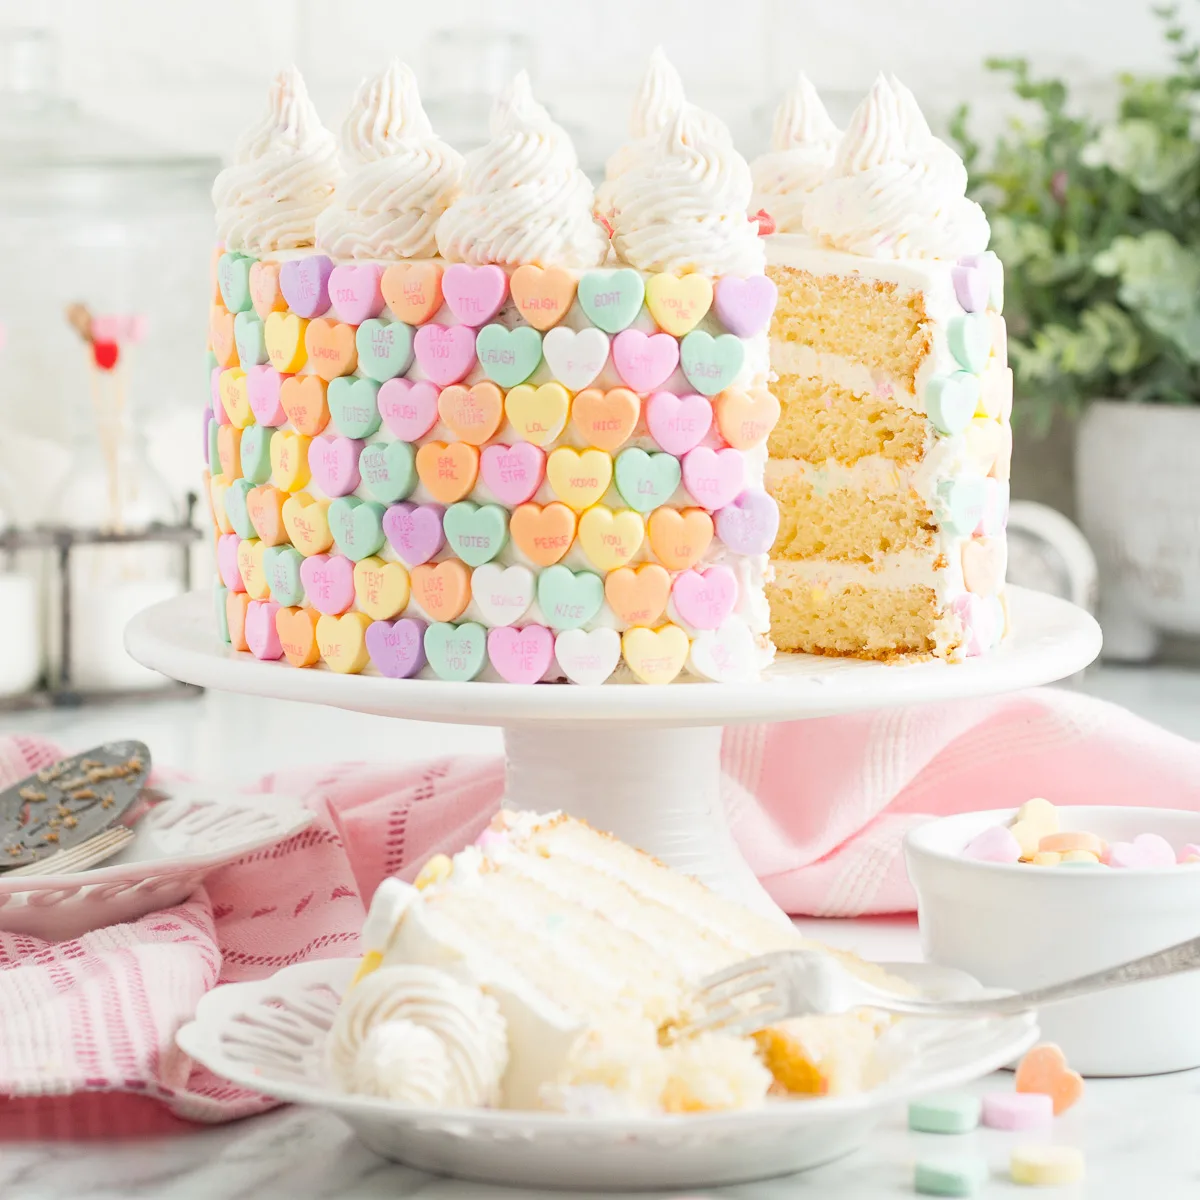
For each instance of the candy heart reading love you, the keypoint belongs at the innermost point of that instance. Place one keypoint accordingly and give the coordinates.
(385, 348)
(445, 352)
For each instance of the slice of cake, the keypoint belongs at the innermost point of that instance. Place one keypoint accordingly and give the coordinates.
(591, 952)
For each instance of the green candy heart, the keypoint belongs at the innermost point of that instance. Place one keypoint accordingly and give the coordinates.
(214, 454)
(508, 356)
(233, 278)
(710, 363)
(256, 453)
(248, 337)
(235, 507)
(222, 613)
(357, 527)
(961, 504)
(388, 470)
(951, 400)
(476, 533)
(569, 599)
(970, 338)
(456, 652)
(385, 348)
(611, 299)
(281, 565)
(352, 406)
(646, 481)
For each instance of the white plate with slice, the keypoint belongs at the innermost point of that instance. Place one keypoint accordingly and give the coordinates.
(175, 845)
(270, 1036)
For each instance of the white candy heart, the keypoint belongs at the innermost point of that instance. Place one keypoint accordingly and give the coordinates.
(502, 594)
(724, 655)
(588, 656)
(575, 357)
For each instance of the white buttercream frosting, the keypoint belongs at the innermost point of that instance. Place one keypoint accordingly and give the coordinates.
(402, 176)
(524, 198)
(684, 209)
(803, 143)
(894, 190)
(283, 174)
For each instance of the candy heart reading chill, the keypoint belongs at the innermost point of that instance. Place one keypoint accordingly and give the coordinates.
(710, 363)
(381, 588)
(679, 538)
(443, 590)
(521, 655)
(611, 299)
(961, 503)
(1044, 1069)
(261, 634)
(638, 596)
(474, 294)
(282, 567)
(569, 598)
(456, 652)
(354, 293)
(588, 657)
(408, 408)
(235, 507)
(509, 356)
(250, 565)
(227, 562)
(655, 655)
(713, 477)
(283, 333)
(397, 648)
(328, 582)
(678, 423)
(579, 479)
(263, 385)
(255, 452)
(235, 398)
(233, 278)
(745, 418)
(220, 336)
(229, 451)
(542, 534)
(331, 348)
(414, 531)
(610, 539)
(748, 524)
(512, 473)
(448, 470)
(543, 296)
(304, 283)
(970, 339)
(744, 306)
(705, 598)
(307, 523)
(473, 413)
(343, 641)
(264, 289)
(725, 655)
(357, 527)
(605, 419)
(304, 400)
(236, 606)
(297, 629)
(678, 302)
(575, 358)
(538, 414)
(413, 290)
(646, 480)
(385, 349)
(643, 361)
(502, 594)
(248, 334)
(445, 352)
(333, 462)
(289, 460)
(476, 533)
(951, 400)
(352, 406)
(388, 470)
(217, 487)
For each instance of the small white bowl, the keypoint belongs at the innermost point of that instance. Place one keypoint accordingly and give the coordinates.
(1020, 926)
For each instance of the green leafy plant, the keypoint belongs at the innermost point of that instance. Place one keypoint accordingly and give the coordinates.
(1098, 225)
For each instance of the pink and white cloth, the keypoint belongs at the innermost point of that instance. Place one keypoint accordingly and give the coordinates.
(820, 809)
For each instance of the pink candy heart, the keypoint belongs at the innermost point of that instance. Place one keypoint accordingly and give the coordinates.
(980, 622)
(474, 294)
(446, 353)
(262, 388)
(1146, 850)
(397, 648)
(214, 387)
(678, 423)
(354, 293)
(521, 655)
(408, 408)
(995, 844)
(261, 635)
(644, 362)
(744, 306)
(328, 583)
(713, 477)
(333, 462)
(705, 598)
(227, 562)
(748, 524)
(512, 473)
(304, 283)
(414, 531)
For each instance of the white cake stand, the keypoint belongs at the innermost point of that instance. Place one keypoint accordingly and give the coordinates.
(641, 762)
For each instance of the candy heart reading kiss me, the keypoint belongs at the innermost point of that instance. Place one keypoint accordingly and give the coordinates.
(521, 655)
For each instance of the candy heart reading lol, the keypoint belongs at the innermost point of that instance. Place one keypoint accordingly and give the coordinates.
(538, 414)
(283, 333)
(646, 481)
(679, 537)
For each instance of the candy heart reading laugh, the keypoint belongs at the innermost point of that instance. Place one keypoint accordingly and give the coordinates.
(443, 590)
(748, 524)
(305, 401)
(297, 629)
(509, 356)
(248, 335)
(307, 523)
(678, 423)
(380, 588)
(413, 291)
(605, 419)
(705, 598)
(445, 352)
(588, 657)
(233, 279)
(355, 294)
(476, 533)
(473, 413)
(281, 565)
(678, 303)
(538, 414)
(357, 526)
(575, 358)
(264, 289)
(543, 296)
(342, 641)
(970, 338)
(502, 594)
(568, 598)
(304, 283)
(679, 538)
(610, 539)
(353, 406)
(250, 565)
(725, 655)
(638, 596)
(512, 473)
(746, 418)
(611, 299)
(236, 605)
(331, 347)
(385, 349)
(265, 506)
(456, 652)
(960, 504)
(474, 294)
(289, 460)
(744, 306)
(579, 479)
(710, 363)
(655, 655)
(542, 534)
(284, 334)
(333, 462)
(227, 562)
(521, 655)
(646, 480)
(262, 386)
(235, 398)
(448, 470)
(235, 507)
(397, 648)
(388, 470)
(643, 361)
(951, 400)
(414, 531)
(408, 408)
(713, 477)
(328, 582)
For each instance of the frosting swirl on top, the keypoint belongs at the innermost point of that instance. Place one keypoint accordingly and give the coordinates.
(894, 190)
(524, 198)
(803, 143)
(403, 176)
(283, 174)
(684, 209)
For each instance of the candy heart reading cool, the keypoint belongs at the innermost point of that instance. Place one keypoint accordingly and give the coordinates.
(638, 595)
(250, 566)
(328, 582)
(282, 567)
(220, 336)
(542, 534)
(610, 539)
(408, 408)
(711, 364)
(543, 296)
(473, 413)
(263, 385)
(655, 655)
(414, 531)
(744, 306)
(445, 352)
(248, 334)
(679, 538)
(283, 333)
(605, 419)
(725, 655)
(304, 283)
(355, 294)
(521, 655)
(705, 598)
(254, 452)
(289, 460)
(343, 641)
(746, 418)
(443, 590)
(588, 657)
(713, 477)
(264, 289)
(646, 480)
(397, 648)
(456, 652)
(970, 338)
(233, 279)
(678, 423)
(502, 594)
(388, 470)
(297, 629)
(512, 473)
(748, 524)
(235, 507)
(538, 414)
(333, 462)
(235, 399)
(476, 533)
(951, 400)
(227, 562)
(357, 527)
(331, 347)
(385, 349)
(352, 406)
(381, 588)
(305, 401)
(413, 290)
(678, 302)
(448, 470)
(508, 356)
(611, 299)
(261, 634)
(474, 294)
(569, 598)
(579, 479)
(644, 362)
(1044, 1069)
(575, 358)
(229, 451)
(307, 523)
(236, 606)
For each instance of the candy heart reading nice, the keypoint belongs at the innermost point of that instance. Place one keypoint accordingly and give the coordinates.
(678, 423)
(569, 599)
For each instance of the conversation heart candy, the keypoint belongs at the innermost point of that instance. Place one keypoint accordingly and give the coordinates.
(304, 283)
(220, 336)
(284, 333)
(456, 652)
(1146, 850)
(475, 532)
(289, 460)
(678, 423)
(538, 414)
(711, 364)
(442, 590)
(679, 538)
(542, 533)
(414, 531)
(446, 353)
(512, 473)
(502, 594)
(248, 335)
(413, 290)
(611, 299)
(229, 451)
(646, 480)
(210, 440)
(305, 402)
(307, 523)
(994, 844)
(521, 655)
(577, 478)
(508, 356)
(473, 414)
(227, 562)
(250, 565)
(254, 452)
(220, 593)
(261, 634)
(397, 648)
(724, 655)
(218, 486)
(744, 306)
(263, 384)
(588, 656)
(264, 289)
(984, 561)
(748, 523)
(999, 357)
(575, 357)
(353, 406)
(704, 599)
(1044, 1069)
(605, 419)
(474, 294)
(678, 302)
(970, 284)
(960, 504)
(385, 349)
(357, 527)
(408, 408)
(233, 280)
(331, 348)
(745, 418)
(1017, 1110)
(543, 296)
(328, 581)
(610, 539)
(235, 398)
(354, 293)
(381, 589)
(644, 361)
(333, 462)
(448, 470)
(569, 599)
(297, 629)
(282, 567)
(236, 606)
(214, 384)
(713, 477)
(980, 631)
(951, 400)
(235, 507)
(970, 339)
(388, 470)
(995, 394)
(343, 642)
(638, 595)
(655, 656)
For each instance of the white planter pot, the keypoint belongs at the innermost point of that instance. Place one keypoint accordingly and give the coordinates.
(1138, 489)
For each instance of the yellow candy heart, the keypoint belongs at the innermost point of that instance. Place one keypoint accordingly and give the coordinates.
(579, 479)
(610, 540)
(655, 655)
(538, 414)
(289, 460)
(343, 642)
(217, 487)
(381, 588)
(307, 523)
(250, 563)
(283, 333)
(235, 397)
(678, 303)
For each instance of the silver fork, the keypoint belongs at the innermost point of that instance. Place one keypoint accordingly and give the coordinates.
(78, 858)
(759, 992)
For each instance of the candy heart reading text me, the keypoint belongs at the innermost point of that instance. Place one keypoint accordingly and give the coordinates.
(538, 414)
(380, 588)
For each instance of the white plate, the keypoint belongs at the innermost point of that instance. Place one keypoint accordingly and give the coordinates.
(270, 1036)
(176, 844)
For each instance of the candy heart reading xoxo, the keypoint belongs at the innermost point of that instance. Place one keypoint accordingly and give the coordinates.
(304, 283)
(655, 655)
(443, 590)
(678, 423)
(220, 593)
(538, 414)
(474, 294)
(357, 527)
(678, 302)
(456, 652)
(575, 358)
(355, 294)
(248, 335)
(679, 538)
(304, 399)
(512, 473)
(282, 566)
(725, 655)
(284, 335)
(710, 363)
(970, 284)
(264, 289)
(638, 595)
(502, 594)
(408, 409)
(970, 339)
(744, 306)
(236, 606)
(643, 361)
(220, 336)
(646, 480)
(542, 534)
(235, 507)
(984, 561)
(414, 531)
(448, 470)
(611, 299)
(227, 562)
(353, 406)
(388, 470)
(610, 539)
(250, 565)
(509, 356)
(705, 598)
(543, 296)
(951, 400)
(307, 523)
(473, 413)
(263, 385)
(297, 629)
(261, 634)
(1044, 1069)
(385, 349)
(235, 398)
(445, 352)
(413, 290)
(579, 479)
(961, 504)
(521, 655)
(233, 279)
(217, 487)
(289, 460)
(397, 648)
(746, 418)
(331, 347)
(381, 588)
(569, 599)
(229, 451)
(605, 419)
(713, 477)
(749, 523)
(333, 462)
(343, 642)
(476, 533)
(588, 657)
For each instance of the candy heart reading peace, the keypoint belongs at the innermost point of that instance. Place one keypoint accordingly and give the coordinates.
(282, 567)
(744, 306)
(725, 655)
(638, 595)
(248, 334)
(474, 294)
(307, 523)
(951, 400)
(264, 289)
(397, 648)
(304, 283)
(569, 599)
(646, 480)
(611, 299)
(385, 349)
(521, 655)
(297, 629)
(408, 408)
(456, 652)
(235, 507)
(227, 562)
(543, 296)
(355, 294)
(233, 280)
(655, 655)
(414, 531)
(502, 594)
(970, 339)
(610, 539)
(678, 303)
(445, 352)
(250, 564)
(509, 356)
(357, 527)
(579, 479)
(352, 406)
(588, 657)
(448, 470)
(605, 419)
(443, 590)
(710, 363)
(229, 451)
(289, 460)
(265, 506)
(333, 462)
(261, 635)
(679, 538)
(413, 290)
(388, 470)
(262, 386)
(678, 423)
(644, 362)
(328, 582)
(235, 398)
(220, 336)
(542, 534)
(284, 335)
(512, 473)
(331, 347)
(343, 641)
(473, 413)
(746, 418)
(538, 414)
(476, 533)
(713, 477)
(574, 357)
(705, 598)
(305, 401)
(380, 588)
(748, 524)
(236, 606)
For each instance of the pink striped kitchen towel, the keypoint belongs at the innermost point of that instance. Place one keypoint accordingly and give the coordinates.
(819, 807)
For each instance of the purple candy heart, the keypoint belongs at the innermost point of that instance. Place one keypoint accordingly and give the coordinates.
(354, 293)
(304, 283)
(397, 648)
(328, 583)
(971, 283)
(446, 353)
(748, 524)
(474, 294)
(415, 531)
(333, 462)
(744, 306)
(262, 388)
(208, 416)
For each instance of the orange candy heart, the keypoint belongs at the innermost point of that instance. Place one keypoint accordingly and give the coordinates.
(332, 350)
(229, 451)
(303, 399)
(220, 336)
(264, 289)
(473, 413)
(214, 262)
(605, 419)
(679, 538)
(542, 534)
(442, 589)
(1044, 1069)
(638, 595)
(448, 469)
(745, 418)
(413, 290)
(236, 604)
(264, 505)
(543, 296)
(297, 629)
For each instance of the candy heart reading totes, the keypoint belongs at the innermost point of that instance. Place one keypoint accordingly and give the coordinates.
(950, 401)
(473, 413)
(749, 523)
(250, 565)
(388, 470)
(385, 349)
(961, 504)
(538, 414)
(445, 352)
(262, 387)
(229, 451)
(984, 561)
(569, 599)
(543, 296)
(220, 336)
(502, 594)
(282, 566)
(448, 470)
(227, 562)
(352, 406)
(413, 290)
(643, 361)
(456, 652)
(474, 294)
(357, 527)
(304, 283)
(261, 634)
(744, 306)
(1044, 1069)
(305, 401)
(217, 487)
(289, 460)
(610, 539)
(679, 538)
(725, 655)
(235, 507)
(509, 356)
(711, 364)
(970, 339)
(442, 590)
(605, 419)
(328, 582)
(248, 336)
(331, 347)
(705, 598)
(284, 334)
(381, 588)
(678, 423)
(746, 418)
(264, 289)
(512, 473)
(521, 655)
(297, 629)
(678, 302)
(575, 358)
(333, 462)
(408, 408)
(236, 606)
(343, 642)
(307, 523)
(713, 477)
(579, 479)
(414, 531)
(638, 595)
(646, 480)
(235, 399)
(233, 280)
(476, 533)
(542, 534)
(355, 294)
(397, 648)
(588, 657)
(611, 299)
(655, 655)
